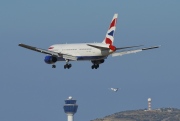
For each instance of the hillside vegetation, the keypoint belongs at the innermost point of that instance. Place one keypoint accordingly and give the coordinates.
(162, 114)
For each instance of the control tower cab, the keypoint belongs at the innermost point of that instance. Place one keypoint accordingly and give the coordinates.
(70, 108)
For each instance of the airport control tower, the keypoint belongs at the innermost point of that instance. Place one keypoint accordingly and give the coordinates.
(70, 108)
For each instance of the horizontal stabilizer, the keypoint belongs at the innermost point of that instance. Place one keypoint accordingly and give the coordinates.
(132, 51)
(99, 47)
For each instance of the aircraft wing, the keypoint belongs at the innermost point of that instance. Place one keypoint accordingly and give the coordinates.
(63, 55)
(38, 49)
(120, 48)
(132, 51)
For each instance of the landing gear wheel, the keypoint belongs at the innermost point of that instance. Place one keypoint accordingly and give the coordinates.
(95, 66)
(70, 65)
(67, 66)
(53, 66)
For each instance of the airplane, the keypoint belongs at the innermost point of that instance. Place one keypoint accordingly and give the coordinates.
(94, 52)
(114, 89)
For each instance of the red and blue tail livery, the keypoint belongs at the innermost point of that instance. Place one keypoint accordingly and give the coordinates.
(96, 53)
(109, 39)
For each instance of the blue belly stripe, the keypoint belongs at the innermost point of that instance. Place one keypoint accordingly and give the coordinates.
(90, 57)
(85, 58)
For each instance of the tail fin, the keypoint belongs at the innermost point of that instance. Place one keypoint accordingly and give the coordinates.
(109, 39)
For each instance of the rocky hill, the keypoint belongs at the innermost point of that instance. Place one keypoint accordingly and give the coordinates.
(161, 114)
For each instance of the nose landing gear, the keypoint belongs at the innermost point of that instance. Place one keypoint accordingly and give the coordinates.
(53, 66)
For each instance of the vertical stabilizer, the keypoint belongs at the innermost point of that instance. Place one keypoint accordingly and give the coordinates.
(109, 39)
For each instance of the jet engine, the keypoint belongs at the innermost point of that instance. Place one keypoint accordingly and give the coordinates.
(97, 61)
(50, 59)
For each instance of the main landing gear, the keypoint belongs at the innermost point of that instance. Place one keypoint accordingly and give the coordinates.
(96, 63)
(95, 66)
(67, 65)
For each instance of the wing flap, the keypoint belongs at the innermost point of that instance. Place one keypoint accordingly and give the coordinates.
(69, 57)
(125, 52)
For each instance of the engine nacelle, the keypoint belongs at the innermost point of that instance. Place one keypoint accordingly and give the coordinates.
(97, 61)
(50, 59)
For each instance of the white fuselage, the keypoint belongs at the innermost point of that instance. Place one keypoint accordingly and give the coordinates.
(82, 51)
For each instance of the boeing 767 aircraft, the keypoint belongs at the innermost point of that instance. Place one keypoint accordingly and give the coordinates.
(94, 52)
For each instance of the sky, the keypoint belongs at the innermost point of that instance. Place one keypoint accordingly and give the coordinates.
(30, 90)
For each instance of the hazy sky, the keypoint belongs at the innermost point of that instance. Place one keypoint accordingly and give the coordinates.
(31, 90)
